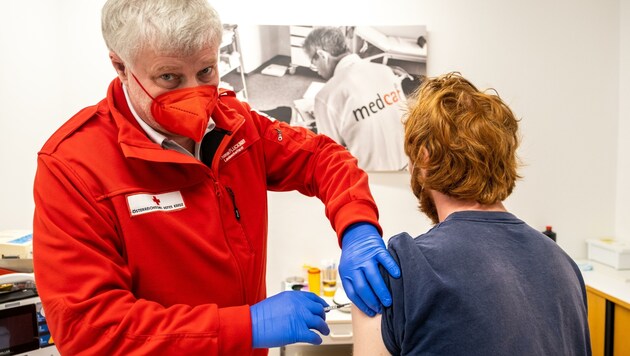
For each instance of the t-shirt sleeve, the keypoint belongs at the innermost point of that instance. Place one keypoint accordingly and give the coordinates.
(393, 318)
(414, 297)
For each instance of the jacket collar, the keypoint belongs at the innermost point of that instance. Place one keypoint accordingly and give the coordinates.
(134, 141)
(346, 62)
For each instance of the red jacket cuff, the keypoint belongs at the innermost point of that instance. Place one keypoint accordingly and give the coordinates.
(354, 212)
(235, 331)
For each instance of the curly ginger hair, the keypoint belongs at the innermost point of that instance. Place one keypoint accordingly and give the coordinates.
(463, 138)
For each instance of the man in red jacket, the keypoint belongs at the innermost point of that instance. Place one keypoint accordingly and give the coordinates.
(150, 224)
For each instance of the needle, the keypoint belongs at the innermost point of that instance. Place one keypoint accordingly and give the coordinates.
(336, 306)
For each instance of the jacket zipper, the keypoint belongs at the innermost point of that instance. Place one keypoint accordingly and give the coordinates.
(217, 189)
(279, 135)
(237, 214)
(221, 143)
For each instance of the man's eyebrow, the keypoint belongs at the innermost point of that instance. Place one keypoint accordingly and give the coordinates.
(167, 69)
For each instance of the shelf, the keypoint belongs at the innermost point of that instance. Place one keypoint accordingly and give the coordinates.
(230, 60)
(227, 39)
(228, 63)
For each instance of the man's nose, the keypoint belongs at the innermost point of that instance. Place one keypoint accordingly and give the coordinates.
(193, 82)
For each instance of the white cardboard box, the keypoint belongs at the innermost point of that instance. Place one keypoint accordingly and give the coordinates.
(609, 252)
(16, 244)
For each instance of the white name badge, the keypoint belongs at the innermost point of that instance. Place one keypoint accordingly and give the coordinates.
(150, 203)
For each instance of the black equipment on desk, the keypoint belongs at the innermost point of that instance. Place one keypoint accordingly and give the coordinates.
(23, 326)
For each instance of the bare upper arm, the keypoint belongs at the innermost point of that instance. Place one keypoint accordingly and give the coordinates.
(367, 334)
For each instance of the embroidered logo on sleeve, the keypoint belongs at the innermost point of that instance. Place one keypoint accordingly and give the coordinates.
(148, 203)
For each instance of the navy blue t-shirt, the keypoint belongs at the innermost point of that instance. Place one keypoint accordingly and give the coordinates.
(484, 283)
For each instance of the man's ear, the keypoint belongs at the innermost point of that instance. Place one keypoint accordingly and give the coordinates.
(424, 154)
(323, 54)
(424, 159)
(120, 67)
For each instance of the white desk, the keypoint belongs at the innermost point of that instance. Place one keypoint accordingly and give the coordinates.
(613, 282)
(608, 295)
(338, 342)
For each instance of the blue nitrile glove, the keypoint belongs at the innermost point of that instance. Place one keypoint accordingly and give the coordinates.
(362, 249)
(287, 318)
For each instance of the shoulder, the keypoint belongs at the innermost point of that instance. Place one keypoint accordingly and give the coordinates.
(403, 243)
(419, 259)
(413, 255)
(76, 123)
(329, 89)
(229, 99)
(365, 66)
(400, 242)
(231, 112)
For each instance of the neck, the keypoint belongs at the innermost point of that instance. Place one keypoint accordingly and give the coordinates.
(447, 205)
(185, 142)
(338, 58)
(345, 54)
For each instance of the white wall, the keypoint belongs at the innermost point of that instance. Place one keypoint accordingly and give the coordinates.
(258, 45)
(558, 64)
(559, 72)
(623, 167)
(53, 63)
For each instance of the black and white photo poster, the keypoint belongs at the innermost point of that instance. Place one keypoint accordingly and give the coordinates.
(350, 83)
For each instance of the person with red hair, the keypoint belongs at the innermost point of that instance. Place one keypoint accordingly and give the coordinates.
(481, 281)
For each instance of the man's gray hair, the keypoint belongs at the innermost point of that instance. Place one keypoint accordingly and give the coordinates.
(330, 39)
(169, 27)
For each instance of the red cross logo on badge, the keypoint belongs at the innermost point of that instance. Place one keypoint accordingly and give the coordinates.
(156, 200)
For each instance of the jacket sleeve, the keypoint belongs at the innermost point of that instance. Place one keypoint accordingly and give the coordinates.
(298, 159)
(89, 304)
(327, 120)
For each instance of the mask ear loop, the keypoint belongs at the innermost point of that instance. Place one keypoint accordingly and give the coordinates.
(142, 87)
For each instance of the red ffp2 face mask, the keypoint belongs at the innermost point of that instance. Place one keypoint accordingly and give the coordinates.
(185, 112)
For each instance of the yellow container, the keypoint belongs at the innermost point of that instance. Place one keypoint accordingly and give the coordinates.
(314, 280)
(329, 280)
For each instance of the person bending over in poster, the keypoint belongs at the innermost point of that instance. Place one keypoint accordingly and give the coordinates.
(361, 104)
(481, 281)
